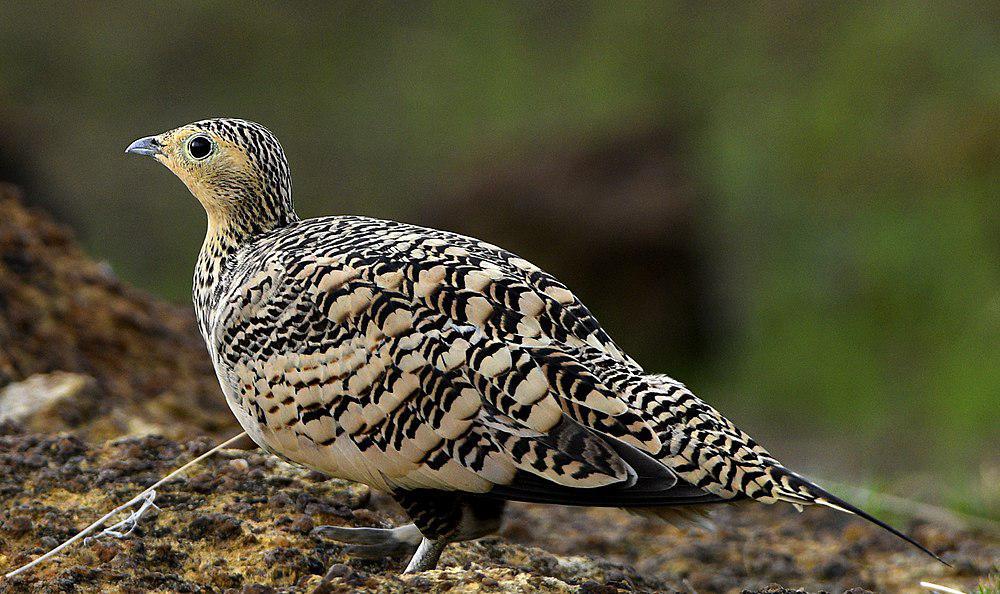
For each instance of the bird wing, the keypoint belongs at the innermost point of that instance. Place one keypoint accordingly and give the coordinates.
(410, 358)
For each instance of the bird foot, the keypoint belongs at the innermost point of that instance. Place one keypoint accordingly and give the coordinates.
(373, 543)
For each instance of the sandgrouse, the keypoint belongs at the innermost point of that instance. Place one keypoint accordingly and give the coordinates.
(439, 368)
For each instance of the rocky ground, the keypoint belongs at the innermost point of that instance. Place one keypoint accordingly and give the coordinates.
(92, 373)
(242, 523)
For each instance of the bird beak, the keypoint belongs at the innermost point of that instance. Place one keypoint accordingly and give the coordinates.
(148, 146)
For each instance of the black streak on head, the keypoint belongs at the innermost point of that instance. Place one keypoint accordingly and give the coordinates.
(273, 206)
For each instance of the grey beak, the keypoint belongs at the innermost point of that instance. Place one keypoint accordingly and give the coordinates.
(148, 146)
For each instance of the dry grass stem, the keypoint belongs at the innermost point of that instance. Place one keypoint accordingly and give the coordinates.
(146, 497)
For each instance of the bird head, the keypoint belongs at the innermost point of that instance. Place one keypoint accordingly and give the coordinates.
(235, 168)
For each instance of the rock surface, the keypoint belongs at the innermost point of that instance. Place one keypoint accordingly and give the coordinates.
(242, 522)
(50, 402)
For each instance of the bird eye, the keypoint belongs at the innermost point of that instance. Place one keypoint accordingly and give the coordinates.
(199, 147)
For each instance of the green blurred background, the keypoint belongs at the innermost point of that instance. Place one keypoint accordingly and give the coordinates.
(791, 207)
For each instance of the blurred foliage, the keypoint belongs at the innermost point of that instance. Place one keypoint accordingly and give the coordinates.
(846, 157)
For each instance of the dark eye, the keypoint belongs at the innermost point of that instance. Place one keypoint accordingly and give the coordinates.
(199, 147)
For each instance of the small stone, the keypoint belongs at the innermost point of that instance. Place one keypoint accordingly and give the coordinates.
(590, 587)
(420, 582)
(833, 569)
(302, 524)
(279, 500)
(17, 526)
(106, 551)
(203, 483)
(338, 570)
(50, 402)
(239, 465)
(220, 526)
(279, 481)
(361, 497)
(366, 517)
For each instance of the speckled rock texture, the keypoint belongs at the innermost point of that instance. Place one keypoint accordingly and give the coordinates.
(112, 368)
(242, 522)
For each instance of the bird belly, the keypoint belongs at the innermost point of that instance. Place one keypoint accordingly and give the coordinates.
(270, 413)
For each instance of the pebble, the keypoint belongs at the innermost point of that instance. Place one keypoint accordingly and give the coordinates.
(17, 526)
(302, 524)
(106, 551)
(338, 570)
(257, 589)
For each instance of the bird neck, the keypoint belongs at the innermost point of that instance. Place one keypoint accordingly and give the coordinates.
(235, 226)
(228, 233)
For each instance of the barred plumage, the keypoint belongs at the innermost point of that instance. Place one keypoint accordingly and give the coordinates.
(437, 367)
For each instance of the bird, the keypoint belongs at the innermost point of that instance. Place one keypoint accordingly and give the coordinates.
(441, 369)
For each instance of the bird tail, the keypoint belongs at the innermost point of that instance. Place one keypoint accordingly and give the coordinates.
(796, 490)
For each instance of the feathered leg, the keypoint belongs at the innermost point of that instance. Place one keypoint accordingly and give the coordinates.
(444, 517)
(439, 518)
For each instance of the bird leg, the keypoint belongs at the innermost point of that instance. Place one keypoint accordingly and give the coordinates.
(444, 517)
(439, 518)
(427, 555)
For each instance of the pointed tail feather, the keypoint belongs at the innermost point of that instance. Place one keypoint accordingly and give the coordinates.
(797, 490)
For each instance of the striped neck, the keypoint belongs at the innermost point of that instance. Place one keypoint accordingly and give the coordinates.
(226, 236)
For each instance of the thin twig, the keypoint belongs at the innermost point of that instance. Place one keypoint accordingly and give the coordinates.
(140, 497)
